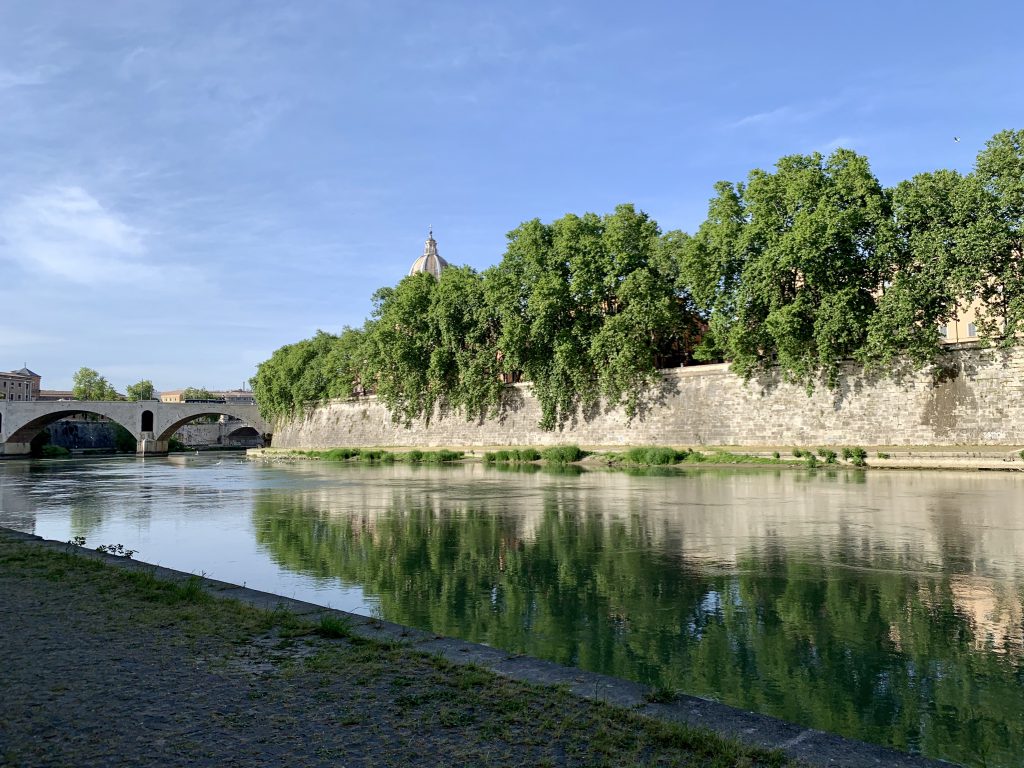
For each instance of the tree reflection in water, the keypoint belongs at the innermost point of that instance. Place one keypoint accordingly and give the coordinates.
(849, 640)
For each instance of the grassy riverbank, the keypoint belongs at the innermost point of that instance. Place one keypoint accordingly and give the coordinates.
(118, 653)
(964, 457)
(641, 456)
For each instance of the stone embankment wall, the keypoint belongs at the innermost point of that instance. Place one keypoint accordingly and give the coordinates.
(79, 434)
(975, 397)
(82, 435)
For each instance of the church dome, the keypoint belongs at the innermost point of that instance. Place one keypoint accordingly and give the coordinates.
(429, 261)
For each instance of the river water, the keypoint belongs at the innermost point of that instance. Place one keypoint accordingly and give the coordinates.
(883, 605)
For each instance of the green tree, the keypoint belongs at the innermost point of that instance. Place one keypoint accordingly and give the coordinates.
(464, 362)
(432, 345)
(87, 384)
(197, 393)
(309, 371)
(925, 277)
(787, 266)
(399, 346)
(993, 244)
(142, 390)
(587, 306)
(711, 267)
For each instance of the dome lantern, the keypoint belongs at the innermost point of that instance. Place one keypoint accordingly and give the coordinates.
(430, 261)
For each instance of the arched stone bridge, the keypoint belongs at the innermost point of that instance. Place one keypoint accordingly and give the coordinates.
(151, 422)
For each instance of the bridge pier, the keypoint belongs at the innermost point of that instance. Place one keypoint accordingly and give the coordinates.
(147, 446)
(13, 450)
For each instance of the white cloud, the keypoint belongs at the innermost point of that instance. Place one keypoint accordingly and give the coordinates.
(10, 79)
(66, 233)
(839, 142)
(786, 115)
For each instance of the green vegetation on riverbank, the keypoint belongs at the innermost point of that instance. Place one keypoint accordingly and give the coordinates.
(380, 456)
(564, 455)
(800, 270)
(656, 456)
(386, 692)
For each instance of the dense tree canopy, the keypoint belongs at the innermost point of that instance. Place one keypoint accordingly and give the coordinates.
(797, 270)
(309, 371)
(197, 393)
(588, 307)
(992, 244)
(142, 390)
(786, 265)
(87, 384)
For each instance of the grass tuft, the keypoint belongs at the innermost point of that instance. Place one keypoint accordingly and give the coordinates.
(562, 454)
(333, 626)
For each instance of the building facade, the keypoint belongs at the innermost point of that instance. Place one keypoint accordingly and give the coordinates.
(22, 384)
(232, 396)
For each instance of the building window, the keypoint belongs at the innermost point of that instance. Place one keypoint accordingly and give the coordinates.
(943, 331)
(972, 329)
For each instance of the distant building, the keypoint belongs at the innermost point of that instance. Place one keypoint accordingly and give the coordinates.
(22, 384)
(430, 261)
(963, 327)
(237, 396)
(232, 396)
(56, 394)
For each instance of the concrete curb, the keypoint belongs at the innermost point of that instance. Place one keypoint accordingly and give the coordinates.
(813, 747)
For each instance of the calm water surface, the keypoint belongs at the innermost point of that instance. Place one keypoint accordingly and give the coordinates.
(886, 606)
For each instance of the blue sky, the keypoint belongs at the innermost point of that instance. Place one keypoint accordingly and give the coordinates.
(186, 186)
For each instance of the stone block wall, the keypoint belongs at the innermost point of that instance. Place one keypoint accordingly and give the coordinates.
(974, 397)
(82, 435)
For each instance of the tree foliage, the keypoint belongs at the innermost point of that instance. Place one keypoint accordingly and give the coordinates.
(993, 241)
(798, 270)
(87, 384)
(142, 390)
(923, 280)
(197, 393)
(584, 294)
(588, 307)
(786, 265)
(308, 372)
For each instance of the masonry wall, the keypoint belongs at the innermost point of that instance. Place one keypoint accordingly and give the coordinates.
(975, 397)
(82, 435)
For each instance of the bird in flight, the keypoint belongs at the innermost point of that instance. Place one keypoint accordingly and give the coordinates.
(956, 139)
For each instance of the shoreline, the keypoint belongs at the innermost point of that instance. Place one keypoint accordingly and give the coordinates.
(809, 746)
(964, 458)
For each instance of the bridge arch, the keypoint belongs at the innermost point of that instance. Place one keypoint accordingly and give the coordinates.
(168, 430)
(151, 423)
(25, 432)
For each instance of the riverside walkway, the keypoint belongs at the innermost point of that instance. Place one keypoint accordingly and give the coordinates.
(106, 661)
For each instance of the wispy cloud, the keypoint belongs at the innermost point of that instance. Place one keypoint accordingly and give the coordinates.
(66, 233)
(12, 79)
(839, 142)
(788, 114)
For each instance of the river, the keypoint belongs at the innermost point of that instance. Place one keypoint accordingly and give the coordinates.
(883, 605)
